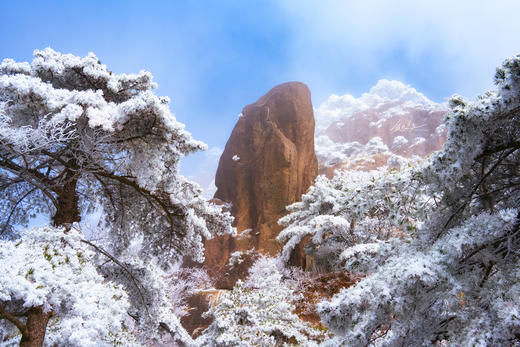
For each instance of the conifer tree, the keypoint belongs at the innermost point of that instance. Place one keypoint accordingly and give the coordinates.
(76, 137)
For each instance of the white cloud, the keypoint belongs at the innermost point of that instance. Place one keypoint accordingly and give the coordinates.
(463, 40)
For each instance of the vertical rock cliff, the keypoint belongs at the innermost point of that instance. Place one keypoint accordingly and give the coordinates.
(268, 163)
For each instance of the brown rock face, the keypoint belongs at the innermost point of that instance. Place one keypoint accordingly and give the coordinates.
(410, 124)
(195, 322)
(268, 163)
(402, 129)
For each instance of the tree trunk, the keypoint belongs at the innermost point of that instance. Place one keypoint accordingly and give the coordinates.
(36, 325)
(67, 211)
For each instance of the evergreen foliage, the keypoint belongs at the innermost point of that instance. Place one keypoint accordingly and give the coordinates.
(75, 137)
(437, 242)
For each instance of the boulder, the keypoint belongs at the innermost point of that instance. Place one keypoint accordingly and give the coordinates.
(267, 164)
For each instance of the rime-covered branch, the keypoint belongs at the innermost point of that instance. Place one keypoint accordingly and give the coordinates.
(75, 138)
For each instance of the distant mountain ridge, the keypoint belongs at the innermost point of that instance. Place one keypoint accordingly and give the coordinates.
(386, 126)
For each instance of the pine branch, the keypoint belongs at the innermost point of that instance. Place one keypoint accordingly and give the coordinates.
(12, 318)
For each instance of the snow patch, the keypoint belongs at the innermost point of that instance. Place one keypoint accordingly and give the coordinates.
(400, 141)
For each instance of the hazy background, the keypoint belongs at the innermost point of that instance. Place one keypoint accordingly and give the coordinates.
(214, 57)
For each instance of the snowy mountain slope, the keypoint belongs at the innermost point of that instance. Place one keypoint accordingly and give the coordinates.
(392, 120)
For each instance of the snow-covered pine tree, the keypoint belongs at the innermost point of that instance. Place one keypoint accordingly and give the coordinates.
(49, 280)
(75, 137)
(259, 312)
(438, 242)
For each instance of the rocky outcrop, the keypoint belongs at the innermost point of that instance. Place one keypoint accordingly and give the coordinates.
(268, 163)
(392, 120)
(195, 321)
(381, 129)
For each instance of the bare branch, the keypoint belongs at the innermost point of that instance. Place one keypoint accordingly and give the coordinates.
(476, 187)
(14, 209)
(136, 282)
(12, 318)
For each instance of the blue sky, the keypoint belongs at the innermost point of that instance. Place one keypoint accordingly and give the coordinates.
(214, 57)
